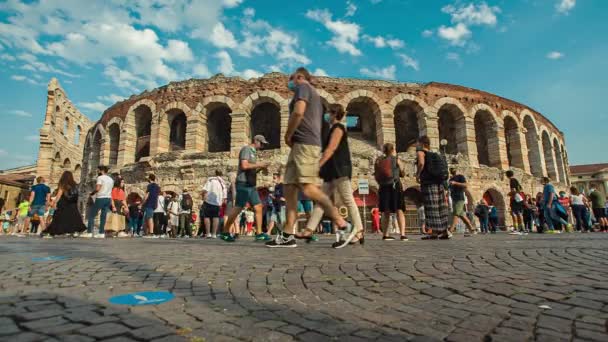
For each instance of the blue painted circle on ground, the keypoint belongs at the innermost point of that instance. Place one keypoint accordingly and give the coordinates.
(143, 298)
(50, 258)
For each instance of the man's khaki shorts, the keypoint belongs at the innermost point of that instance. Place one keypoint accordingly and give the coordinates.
(303, 165)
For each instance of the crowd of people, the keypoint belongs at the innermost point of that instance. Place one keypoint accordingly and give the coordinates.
(232, 207)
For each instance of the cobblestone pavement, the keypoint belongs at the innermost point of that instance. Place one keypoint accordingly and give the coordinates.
(484, 288)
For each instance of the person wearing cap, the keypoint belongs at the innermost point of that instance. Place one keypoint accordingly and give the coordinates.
(246, 191)
(303, 136)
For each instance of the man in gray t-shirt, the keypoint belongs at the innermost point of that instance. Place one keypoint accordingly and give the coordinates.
(246, 191)
(308, 131)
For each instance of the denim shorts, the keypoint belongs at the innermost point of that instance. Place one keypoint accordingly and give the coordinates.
(37, 210)
(148, 213)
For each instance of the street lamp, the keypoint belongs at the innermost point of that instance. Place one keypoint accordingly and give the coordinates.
(443, 145)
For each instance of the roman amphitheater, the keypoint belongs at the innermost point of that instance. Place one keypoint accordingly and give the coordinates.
(184, 131)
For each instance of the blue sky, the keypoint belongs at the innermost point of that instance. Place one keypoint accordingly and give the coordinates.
(548, 54)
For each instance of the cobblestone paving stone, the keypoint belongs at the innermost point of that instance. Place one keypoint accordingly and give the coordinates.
(484, 288)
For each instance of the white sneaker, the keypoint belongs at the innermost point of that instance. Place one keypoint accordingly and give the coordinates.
(86, 235)
(208, 236)
(122, 234)
(100, 236)
(214, 236)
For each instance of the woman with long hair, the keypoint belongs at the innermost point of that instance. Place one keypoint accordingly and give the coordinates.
(119, 206)
(66, 218)
(579, 205)
(336, 172)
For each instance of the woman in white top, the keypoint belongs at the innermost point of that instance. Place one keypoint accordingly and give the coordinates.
(159, 216)
(579, 205)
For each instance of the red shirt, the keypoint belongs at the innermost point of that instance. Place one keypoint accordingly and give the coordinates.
(118, 194)
(564, 201)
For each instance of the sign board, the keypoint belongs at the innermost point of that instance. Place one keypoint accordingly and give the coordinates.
(50, 258)
(143, 298)
(363, 186)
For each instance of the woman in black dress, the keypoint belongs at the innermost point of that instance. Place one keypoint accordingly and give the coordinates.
(67, 218)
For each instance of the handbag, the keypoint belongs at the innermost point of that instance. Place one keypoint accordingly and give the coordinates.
(518, 198)
(115, 222)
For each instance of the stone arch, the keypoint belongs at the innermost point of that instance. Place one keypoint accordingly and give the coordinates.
(561, 170)
(549, 154)
(515, 150)
(77, 173)
(66, 127)
(136, 131)
(364, 116)
(266, 120)
(533, 147)
(67, 164)
(409, 114)
(114, 142)
(258, 97)
(452, 125)
(486, 135)
(234, 133)
(494, 197)
(219, 121)
(327, 97)
(173, 131)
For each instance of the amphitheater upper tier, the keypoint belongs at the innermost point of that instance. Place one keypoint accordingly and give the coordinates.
(221, 114)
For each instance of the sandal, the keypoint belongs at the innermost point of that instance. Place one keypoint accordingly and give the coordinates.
(309, 236)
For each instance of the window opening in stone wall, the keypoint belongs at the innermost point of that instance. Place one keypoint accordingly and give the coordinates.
(452, 128)
(406, 126)
(219, 123)
(66, 126)
(512, 140)
(77, 135)
(77, 171)
(362, 113)
(177, 134)
(67, 165)
(143, 129)
(266, 120)
(486, 139)
(533, 148)
(114, 133)
(549, 160)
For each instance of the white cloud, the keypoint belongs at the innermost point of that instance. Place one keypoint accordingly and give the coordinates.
(7, 57)
(34, 65)
(427, 33)
(94, 106)
(249, 12)
(201, 70)
(381, 42)
(232, 3)
(125, 79)
(387, 73)
(555, 55)
(22, 78)
(226, 67)
(409, 61)
(350, 9)
(18, 78)
(472, 14)
(346, 34)
(3, 153)
(457, 35)
(32, 137)
(454, 57)
(221, 37)
(564, 6)
(22, 113)
(320, 72)
(112, 98)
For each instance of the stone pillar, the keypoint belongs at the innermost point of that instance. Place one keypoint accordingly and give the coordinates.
(195, 133)
(465, 139)
(385, 131)
(429, 125)
(553, 165)
(284, 124)
(519, 151)
(159, 139)
(239, 132)
(104, 151)
(497, 148)
(126, 146)
(541, 155)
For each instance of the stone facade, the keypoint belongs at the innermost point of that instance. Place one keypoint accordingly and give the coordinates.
(61, 136)
(185, 130)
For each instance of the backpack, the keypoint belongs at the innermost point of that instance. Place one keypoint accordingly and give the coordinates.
(186, 202)
(436, 167)
(383, 171)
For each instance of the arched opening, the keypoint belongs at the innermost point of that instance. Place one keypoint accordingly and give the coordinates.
(533, 148)
(114, 133)
(362, 119)
(177, 130)
(95, 151)
(494, 198)
(514, 154)
(406, 126)
(266, 120)
(560, 161)
(452, 128)
(486, 139)
(549, 156)
(66, 126)
(219, 123)
(67, 165)
(77, 135)
(143, 130)
(77, 172)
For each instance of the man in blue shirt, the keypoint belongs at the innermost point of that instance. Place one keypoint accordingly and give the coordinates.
(39, 199)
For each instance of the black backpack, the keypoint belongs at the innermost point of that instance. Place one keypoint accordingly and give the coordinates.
(186, 203)
(436, 167)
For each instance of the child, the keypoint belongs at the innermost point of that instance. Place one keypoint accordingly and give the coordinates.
(482, 211)
(173, 211)
(135, 218)
(249, 217)
(529, 214)
(6, 222)
(35, 221)
(493, 219)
